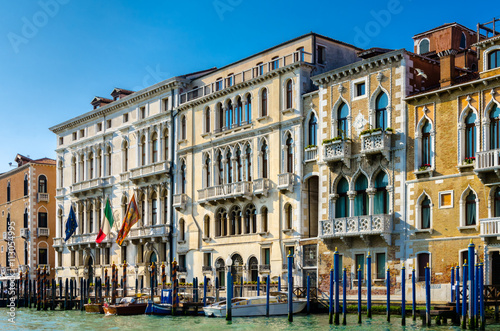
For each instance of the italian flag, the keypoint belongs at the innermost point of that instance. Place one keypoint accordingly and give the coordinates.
(107, 224)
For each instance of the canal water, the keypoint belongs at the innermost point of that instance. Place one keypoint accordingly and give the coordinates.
(29, 319)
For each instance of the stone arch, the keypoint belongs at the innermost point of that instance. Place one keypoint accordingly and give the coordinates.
(356, 176)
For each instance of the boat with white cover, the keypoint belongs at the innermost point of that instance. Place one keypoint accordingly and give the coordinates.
(256, 306)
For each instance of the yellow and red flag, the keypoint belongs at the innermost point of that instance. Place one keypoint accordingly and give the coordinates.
(131, 217)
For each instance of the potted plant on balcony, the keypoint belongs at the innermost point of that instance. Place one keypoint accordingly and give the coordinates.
(424, 167)
(469, 160)
(310, 147)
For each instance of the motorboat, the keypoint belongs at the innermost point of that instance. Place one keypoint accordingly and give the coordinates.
(164, 307)
(94, 308)
(158, 308)
(127, 306)
(256, 306)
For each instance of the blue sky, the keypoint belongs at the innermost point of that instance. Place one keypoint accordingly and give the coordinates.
(56, 55)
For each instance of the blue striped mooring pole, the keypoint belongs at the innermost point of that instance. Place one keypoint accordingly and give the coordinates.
(336, 278)
(290, 287)
(360, 275)
(268, 289)
(457, 291)
(481, 297)
(369, 285)
(428, 295)
(330, 299)
(413, 295)
(464, 296)
(344, 297)
(403, 295)
(472, 288)
(388, 283)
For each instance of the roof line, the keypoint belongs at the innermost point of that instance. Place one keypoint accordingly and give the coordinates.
(282, 44)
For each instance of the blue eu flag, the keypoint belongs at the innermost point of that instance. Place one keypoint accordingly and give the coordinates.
(71, 224)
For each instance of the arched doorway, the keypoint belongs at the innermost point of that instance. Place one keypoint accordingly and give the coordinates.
(221, 272)
(153, 260)
(237, 269)
(311, 220)
(254, 268)
(90, 269)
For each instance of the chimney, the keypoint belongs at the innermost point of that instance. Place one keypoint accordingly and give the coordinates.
(447, 67)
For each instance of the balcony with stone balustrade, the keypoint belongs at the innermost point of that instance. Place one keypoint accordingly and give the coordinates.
(286, 181)
(490, 229)
(145, 233)
(487, 165)
(43, 197)
(90, 186)
(347, 228)
(149, 171)
(261, 186)
(338, 151)
(378, 142)
(212, 194)
(180, 201)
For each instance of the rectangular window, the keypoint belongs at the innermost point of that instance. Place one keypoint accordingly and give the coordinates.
(82, 133)
(275, 63)
(99, 127)
(380, 260)
(73, 258)
(360, 89)
(218, 85)
(61, 140)
(97, 256)
(42, 220)
(266, 252)
(124, 253)
(125, 118)
(59, 259)
(108, 124)
(310, 256)
(140, 251)
(321, 54)
(360, 263)
(207, 259)
(142, 113)
(74, 136)
(106, 255)
(446, 199)
(165, 104)
(182, 261)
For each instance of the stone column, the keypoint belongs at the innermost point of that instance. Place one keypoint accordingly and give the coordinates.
(333, 201)
(244, 111)
(139, 148)
(148, 146)
(371, 199)
(352, 195)
(260, 164)
(224, 166)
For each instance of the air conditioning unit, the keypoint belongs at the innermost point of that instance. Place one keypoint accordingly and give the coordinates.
(25, 233)
(5, 237)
